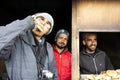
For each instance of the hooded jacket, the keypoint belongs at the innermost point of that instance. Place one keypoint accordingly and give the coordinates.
(17, 49)
(64, 64)
(94, 64)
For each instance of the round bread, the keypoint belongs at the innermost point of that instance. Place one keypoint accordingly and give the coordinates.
(91, 77)
(118, 70)
(111, 73)
(107, 77)
(98, 77)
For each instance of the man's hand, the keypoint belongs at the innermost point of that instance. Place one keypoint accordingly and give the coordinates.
(37, 20)
(43, 21)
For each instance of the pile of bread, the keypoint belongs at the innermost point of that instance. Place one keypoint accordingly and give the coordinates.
(107, 75)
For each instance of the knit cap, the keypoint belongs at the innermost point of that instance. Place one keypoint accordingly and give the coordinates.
(62, 31)
(48, 17)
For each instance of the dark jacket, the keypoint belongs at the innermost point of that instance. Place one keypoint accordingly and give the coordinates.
(17, 49)
(94, 64)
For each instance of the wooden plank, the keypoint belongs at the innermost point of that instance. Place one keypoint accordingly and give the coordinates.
(75, 43)
(99, 16)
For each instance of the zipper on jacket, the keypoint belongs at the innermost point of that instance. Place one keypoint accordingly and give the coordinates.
(96, 70)
(60, 65)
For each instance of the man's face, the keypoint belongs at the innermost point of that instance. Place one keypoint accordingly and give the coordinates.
(42, 26)
(61, 41)
(90, 42)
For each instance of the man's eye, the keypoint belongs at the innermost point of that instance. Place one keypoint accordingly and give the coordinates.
(48, 23)
(42, 19)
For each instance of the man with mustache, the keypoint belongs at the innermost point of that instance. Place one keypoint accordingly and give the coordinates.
(62, 55)
(92, 60)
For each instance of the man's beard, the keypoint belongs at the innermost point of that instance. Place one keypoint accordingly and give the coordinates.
(61, 47)
(89, 48)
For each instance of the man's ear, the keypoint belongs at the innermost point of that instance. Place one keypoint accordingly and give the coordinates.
(83, 42)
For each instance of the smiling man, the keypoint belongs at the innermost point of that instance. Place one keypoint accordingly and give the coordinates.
(92, 60)
(62, 55)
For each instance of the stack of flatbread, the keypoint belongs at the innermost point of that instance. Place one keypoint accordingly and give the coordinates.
(107, 75)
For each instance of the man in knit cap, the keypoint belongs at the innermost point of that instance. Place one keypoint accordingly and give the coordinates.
(62, 55)
(25, 51)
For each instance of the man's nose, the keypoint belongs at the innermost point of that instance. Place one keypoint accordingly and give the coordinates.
(93, 41)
